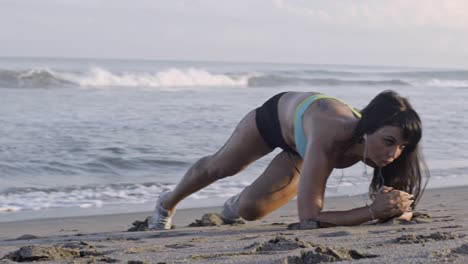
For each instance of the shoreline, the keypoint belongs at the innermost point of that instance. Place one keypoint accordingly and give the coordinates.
(331, 203)
(122, 209)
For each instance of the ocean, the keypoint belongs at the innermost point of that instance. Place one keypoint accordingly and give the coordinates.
(94, 136)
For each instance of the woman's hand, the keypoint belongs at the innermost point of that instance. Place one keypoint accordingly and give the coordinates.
(390, 202)
(406, 216)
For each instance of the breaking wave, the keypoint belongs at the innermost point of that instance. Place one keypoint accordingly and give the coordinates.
(197, 77)
(272, 80)
(99, 77)
(95, 196)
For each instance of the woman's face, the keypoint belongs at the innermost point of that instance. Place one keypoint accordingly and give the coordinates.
(385, 145)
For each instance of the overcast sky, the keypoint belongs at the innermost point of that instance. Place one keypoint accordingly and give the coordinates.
(432, 33)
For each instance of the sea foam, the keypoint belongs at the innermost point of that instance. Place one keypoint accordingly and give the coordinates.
(173, 77)
(34, 199)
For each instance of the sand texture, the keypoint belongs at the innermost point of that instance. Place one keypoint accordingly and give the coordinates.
(437, 235)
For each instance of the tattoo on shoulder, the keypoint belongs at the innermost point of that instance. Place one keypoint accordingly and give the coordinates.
(322, 105)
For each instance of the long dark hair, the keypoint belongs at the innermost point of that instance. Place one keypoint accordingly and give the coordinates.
(406, 172)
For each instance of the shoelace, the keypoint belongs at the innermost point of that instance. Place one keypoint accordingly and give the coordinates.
(164, 216)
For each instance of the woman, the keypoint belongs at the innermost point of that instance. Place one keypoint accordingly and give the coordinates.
(317, 134)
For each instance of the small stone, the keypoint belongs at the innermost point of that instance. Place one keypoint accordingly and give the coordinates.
(214, 219)
(140, 225)
(463, 249)
(138, 262)
(38, 253)
(320, 254)
(421, 218)
(280, 243)
(27, 237)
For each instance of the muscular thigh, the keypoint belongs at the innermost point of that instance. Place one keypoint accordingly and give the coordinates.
(243, 147)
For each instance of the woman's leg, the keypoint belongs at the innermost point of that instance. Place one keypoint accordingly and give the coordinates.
(243, 147)
(274, 188)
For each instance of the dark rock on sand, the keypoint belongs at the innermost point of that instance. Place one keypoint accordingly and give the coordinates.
(79, 245)
(444, 255)
(38, 253)
(462, 249)
(321, 254)
(107, 260)
(448, 227)
(180, 245)
(60, 252)
(278, 224)
(27, 237)
(280, 243)
(415, 239)
(421, 218)
(450, 255)
(139, 225)
(336, 234)
(85, 248)
(213, 219)
(142, 225)
(208, 220)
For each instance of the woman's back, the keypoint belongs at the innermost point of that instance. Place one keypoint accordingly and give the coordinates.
(337, 115)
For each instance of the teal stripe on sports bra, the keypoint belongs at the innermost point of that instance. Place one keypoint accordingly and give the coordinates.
(299, 136)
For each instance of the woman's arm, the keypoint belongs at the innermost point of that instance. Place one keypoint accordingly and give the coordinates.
(311, 191)
(312, 182)
(351, 217)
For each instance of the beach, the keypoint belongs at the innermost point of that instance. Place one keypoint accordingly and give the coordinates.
(90, 144)
(437, 236)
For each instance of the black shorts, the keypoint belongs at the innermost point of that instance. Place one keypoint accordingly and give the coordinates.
(268, 124)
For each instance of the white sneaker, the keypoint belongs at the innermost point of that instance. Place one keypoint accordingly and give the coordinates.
(161, 218)
(230, 207)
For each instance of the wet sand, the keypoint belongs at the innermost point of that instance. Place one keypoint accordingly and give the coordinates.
(439, 237)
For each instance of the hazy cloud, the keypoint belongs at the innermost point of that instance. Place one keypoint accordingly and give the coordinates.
(410, 32)
(378, 13)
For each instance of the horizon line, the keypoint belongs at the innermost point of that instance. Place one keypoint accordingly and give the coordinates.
(227, 62)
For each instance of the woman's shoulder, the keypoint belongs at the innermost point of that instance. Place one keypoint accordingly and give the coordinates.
(331, 119)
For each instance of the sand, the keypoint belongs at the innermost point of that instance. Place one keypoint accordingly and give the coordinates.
(439, 236)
